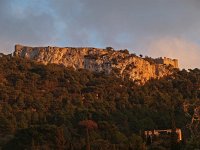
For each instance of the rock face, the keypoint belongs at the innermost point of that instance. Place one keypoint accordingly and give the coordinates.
(98, 60)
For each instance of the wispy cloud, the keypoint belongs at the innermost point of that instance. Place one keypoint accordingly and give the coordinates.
(138, 25)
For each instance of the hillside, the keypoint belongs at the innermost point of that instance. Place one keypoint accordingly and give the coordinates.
(101, 60)
(50, 106)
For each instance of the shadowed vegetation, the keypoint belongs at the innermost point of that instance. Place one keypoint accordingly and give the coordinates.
(53, 107)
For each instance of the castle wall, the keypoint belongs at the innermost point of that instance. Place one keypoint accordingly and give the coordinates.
(167, 61)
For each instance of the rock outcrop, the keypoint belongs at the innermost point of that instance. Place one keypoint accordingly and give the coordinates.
(101, 60)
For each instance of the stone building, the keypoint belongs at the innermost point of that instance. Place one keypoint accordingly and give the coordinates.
(151, 134)
(167, 61)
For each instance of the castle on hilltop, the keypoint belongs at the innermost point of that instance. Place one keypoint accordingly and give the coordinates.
(167, 61)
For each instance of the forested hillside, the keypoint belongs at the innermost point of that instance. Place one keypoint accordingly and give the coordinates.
(54, 107)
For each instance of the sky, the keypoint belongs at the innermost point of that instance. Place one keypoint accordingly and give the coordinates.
(155, 28)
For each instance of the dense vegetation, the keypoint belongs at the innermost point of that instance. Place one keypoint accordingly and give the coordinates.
(53, 107)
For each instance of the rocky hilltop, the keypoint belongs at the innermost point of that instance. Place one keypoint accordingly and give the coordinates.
(101, 60)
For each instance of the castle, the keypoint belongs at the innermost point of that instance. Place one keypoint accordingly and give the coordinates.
(167, 61)
(100, 60)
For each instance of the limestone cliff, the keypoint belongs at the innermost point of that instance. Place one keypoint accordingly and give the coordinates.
(98, 60)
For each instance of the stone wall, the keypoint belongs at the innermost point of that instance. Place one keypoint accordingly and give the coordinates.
(167, 61)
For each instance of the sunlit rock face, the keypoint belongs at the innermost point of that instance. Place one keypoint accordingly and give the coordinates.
(101, 60)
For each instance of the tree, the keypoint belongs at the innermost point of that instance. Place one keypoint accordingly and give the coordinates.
(109, 48)
(88, 125)
(60, 139)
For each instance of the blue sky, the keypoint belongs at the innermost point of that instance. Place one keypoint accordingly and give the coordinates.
(155, 28)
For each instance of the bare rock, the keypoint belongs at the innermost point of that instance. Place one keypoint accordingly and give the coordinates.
(100, 60)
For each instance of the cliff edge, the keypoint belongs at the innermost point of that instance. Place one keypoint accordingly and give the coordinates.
(101, 60)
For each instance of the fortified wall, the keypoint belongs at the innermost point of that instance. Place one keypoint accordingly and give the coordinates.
(167, 61)
(109, 61)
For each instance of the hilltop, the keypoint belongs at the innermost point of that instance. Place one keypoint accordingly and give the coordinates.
(101, 60)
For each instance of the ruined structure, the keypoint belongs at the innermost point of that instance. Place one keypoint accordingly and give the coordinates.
(167, 61)
(156, 133)
(100, 60)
